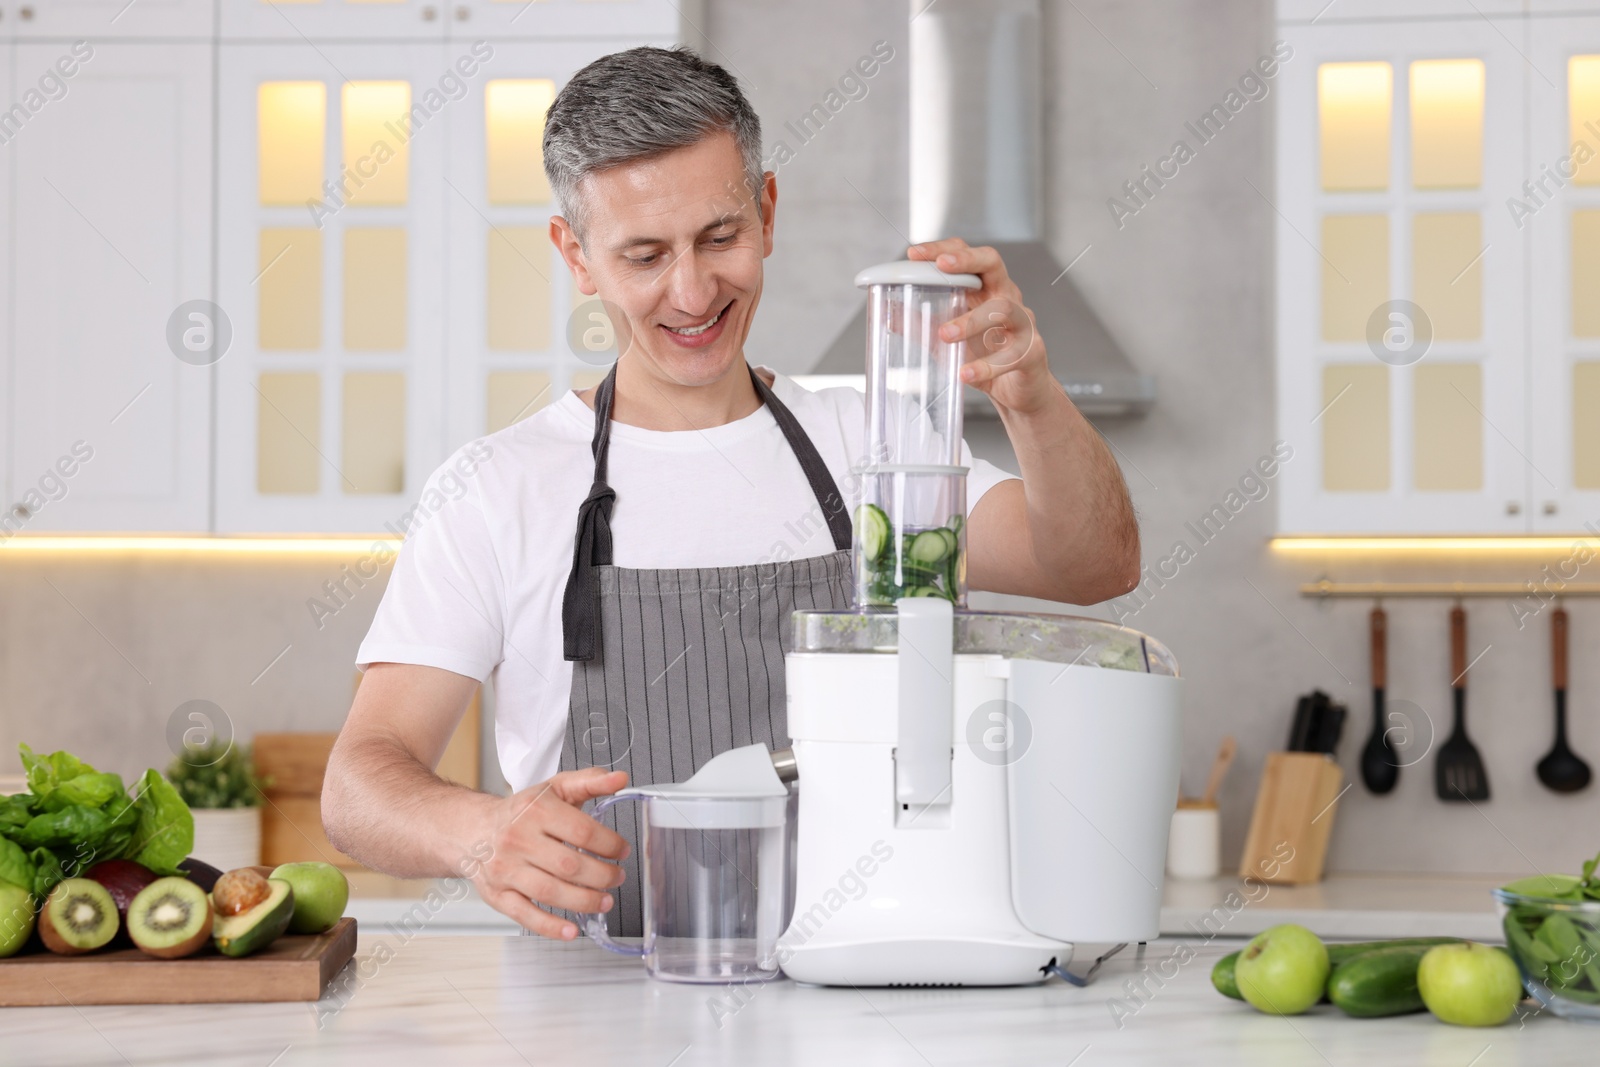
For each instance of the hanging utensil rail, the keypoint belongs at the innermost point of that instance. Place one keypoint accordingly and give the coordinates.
(1445, 590)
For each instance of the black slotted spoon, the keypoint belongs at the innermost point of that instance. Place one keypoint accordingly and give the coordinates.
(1458, 772)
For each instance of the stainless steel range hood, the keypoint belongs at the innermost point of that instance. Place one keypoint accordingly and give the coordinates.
(976, 172)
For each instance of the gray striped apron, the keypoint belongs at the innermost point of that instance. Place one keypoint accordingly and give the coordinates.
(671, 667)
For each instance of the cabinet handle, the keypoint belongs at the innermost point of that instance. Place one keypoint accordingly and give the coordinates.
(429, 13)
(463, 12)
(21, 511)
(25, 13)
(1513, 507)
(1550, 507)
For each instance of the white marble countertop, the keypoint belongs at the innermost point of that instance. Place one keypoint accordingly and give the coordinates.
(1354, 907)
(509, 1001)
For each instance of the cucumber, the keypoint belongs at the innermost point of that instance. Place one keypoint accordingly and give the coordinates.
(1223, 979)
(872, 527)
(930, 547)
(897, 563)
(1379, 983)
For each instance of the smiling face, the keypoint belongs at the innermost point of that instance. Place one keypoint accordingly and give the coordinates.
(674, 245)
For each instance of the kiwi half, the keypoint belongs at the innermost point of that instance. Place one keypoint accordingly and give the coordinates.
(78, 916)
(170, 917)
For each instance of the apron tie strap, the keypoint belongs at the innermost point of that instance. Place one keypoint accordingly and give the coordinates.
(580, 604)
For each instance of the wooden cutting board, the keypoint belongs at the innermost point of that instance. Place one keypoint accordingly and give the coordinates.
(291, 968)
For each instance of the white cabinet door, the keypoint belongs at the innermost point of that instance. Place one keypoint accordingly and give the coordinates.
(330, 253)
(626, 22)
(1559, 215)
(111, 206)
(511, 298)
(1389, 436)
(305, 21)
(110, 20)
(7, 305)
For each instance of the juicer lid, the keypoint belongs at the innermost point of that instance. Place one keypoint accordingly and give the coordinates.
(915, 272)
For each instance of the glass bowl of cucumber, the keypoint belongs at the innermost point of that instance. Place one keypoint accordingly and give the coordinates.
(1552, 929)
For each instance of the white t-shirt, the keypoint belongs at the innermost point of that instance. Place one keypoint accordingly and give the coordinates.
(477, 586)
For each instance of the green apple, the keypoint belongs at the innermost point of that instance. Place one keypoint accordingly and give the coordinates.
(1469, 984)
(320, 894)
(16, 918)
(1283, 970)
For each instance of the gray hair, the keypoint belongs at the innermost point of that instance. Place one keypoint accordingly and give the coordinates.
(639, 103)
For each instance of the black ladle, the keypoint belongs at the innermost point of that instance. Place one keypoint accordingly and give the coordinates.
(1380, 766)
(1562, 770)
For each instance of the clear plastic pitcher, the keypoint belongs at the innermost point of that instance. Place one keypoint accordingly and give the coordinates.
(716, 871)
(910, 536)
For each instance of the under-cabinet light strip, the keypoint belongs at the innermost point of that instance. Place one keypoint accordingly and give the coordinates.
(267, 546)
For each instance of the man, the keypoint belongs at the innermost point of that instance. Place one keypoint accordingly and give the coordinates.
(624, 561)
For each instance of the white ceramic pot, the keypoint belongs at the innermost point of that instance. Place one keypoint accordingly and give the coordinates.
(228, 838)
(1194, 844)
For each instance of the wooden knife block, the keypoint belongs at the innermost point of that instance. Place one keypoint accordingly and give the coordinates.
(1295, 806)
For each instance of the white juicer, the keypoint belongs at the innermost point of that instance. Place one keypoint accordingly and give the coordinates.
(978, 791)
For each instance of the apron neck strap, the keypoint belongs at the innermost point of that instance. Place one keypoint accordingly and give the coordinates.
(580, 603)
(823, 487)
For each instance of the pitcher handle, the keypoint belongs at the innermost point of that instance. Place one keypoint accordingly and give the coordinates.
(594, 923)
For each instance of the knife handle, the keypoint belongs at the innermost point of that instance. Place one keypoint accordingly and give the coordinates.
(1380, 648)
(1458, 646)
(1558, 643)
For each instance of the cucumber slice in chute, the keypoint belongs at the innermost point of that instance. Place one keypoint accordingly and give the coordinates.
(872, 527)
(931, 546)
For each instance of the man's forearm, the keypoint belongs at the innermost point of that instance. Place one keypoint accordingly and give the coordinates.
(1081, 525)
(383, 807)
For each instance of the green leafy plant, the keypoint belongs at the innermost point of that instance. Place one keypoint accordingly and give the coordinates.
(220, 775)
(74, 816)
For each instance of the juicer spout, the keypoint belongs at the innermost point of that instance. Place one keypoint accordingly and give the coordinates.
(784, 763)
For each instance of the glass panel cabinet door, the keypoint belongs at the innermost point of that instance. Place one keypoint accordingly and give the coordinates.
(332, 20)
(1558, 213)
(110, 20)
(330, 245)
(1400, 326)
(111, 258)
(520, 334)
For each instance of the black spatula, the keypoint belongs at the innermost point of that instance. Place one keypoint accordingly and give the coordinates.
(1562, 770)
(1458, 772)
(1380, 767)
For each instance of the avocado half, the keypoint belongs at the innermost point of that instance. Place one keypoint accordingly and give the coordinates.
(255, 929)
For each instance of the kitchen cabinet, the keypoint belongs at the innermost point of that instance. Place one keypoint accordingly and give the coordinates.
(110, 20)
(550, 20)
(304, 21)
(384, 312)
(110, 206)
(467, 20)
(7, 303)
(330, 240)
(1559, 217)
(1401, 326)
(520, 334)
(377, 259)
